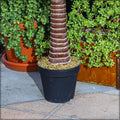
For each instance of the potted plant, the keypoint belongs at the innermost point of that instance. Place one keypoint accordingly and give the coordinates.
(94, 35)
(59, 70)
(24, 32)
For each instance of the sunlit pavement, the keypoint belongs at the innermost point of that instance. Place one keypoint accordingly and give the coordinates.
(21, 98)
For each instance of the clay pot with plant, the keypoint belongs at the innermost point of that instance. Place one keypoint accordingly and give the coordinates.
(24, 32)
(94, 35)
(59, 70)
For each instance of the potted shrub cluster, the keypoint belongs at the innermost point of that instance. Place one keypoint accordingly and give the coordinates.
(24, 32)
(26, 24)
(94, 33)
(58, 71)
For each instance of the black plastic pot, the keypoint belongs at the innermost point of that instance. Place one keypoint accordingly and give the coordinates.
(59, 85)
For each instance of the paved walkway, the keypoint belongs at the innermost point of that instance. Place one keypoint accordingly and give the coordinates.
(21, 99)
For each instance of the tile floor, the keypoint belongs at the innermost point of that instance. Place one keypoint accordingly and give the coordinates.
(104, 105)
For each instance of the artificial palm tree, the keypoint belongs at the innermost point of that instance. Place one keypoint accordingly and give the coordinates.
(58, 84)
(59, 48)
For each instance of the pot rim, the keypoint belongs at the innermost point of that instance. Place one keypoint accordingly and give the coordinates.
(24, 67)
(62, 70)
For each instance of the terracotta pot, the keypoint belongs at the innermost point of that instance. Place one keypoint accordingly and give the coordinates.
(19, 66)
(11, 61)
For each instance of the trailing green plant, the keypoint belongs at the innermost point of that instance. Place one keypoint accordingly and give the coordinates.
(96, 23)
(29, 12)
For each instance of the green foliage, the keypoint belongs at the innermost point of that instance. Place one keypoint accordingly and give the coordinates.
(29, 12)
(97, 25)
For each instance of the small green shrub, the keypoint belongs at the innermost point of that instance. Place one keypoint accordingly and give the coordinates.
(96, 23)
(14, 12)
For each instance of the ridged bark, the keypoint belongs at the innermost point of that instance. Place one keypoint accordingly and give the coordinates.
(118, 72)
(59, 48)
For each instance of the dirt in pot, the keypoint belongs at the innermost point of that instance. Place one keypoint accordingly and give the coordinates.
(44, 63)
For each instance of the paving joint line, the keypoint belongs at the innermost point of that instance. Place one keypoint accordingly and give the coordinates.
(103, 92)
(111, 94)
(64, 117)
(55, 110)
(23, 102)
(25, 110)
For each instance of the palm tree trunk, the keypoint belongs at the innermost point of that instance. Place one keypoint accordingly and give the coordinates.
(59, 48)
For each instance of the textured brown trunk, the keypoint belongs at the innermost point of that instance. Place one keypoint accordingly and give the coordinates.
(118, 72)
(59, 48)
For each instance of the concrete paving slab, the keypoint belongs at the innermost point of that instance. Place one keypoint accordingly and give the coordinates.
(17, 87)
(14, 114)
(41, 106)
(52, 118)
(57, 117)
(91, 106)
(1, 63)
(83, 88)
(113, 92)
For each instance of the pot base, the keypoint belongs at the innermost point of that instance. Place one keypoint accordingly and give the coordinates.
(19, 66)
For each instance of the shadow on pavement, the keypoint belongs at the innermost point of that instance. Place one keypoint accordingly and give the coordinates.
(37, 79)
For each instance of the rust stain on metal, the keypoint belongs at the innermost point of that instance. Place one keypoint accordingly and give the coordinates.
(118, 72)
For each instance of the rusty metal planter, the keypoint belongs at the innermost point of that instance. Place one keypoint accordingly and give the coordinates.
(103, 75)
(118, 72)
